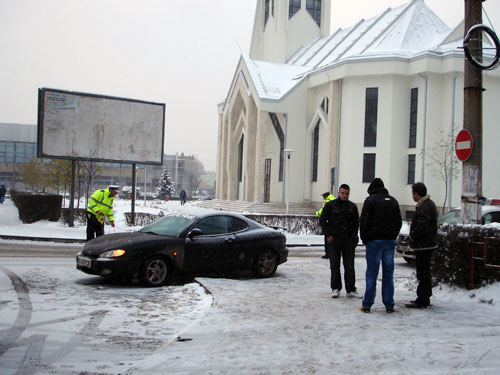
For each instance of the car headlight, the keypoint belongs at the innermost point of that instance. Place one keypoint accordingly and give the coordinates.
(112, 253)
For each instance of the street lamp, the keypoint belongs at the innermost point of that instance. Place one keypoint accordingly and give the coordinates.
(288, 153)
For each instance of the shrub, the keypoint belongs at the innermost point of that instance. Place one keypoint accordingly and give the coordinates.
(451, 262)
(37, 206)
(296, 224)
(79, 215)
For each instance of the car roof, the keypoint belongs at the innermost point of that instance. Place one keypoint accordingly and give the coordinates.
(203, 212)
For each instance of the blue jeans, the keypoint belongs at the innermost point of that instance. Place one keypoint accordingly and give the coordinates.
(376, 251)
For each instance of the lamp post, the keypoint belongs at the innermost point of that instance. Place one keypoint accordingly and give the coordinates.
(288, 153)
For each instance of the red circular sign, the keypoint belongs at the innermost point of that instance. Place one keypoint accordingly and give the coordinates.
(463, 145)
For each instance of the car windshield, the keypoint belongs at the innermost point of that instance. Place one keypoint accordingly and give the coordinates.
(452, 217)
(171, 225)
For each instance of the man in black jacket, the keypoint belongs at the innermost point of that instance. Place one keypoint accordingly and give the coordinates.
(423, 240)
(379, 227)
(340, 222)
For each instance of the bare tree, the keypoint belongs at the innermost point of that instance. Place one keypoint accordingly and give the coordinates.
(444, 163)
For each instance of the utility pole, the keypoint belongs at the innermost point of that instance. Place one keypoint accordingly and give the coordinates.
(473, 121)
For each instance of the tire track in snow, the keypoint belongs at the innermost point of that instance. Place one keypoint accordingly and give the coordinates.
(10, 336)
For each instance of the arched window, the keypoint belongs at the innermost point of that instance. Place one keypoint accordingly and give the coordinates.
(315, 153)
(314, 9)
(266, 11)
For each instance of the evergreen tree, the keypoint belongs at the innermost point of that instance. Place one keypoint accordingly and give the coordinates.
(167, 186)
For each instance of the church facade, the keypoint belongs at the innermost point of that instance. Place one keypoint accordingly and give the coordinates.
(308, 110)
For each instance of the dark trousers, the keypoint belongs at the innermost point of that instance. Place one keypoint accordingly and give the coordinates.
(342, 248)
(326, 247)
(424, 289)
(94, 228)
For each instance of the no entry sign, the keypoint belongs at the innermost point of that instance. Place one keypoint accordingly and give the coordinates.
(463, 145)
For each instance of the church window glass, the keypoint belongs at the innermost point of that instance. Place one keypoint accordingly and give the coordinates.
(293, 7)
(266, 11)
(411, 169)
(240, 160)
(371, 105)
(314, 9)
(413, 118)
(315, 155)
(368, 167)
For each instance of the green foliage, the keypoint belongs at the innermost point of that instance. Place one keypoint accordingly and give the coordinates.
(33, 175)
(451, 262)
(33, 207)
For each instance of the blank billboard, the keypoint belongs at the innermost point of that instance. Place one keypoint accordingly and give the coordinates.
(80, 126)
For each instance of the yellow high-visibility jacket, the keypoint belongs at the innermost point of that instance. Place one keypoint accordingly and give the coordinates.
(329, 198)
(101, 201)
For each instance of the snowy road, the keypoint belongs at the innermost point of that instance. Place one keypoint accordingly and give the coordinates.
(56, 320)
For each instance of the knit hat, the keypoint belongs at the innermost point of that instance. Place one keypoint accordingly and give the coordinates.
(376, 184)
(325, 195)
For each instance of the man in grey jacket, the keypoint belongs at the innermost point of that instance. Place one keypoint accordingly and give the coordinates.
(423, 240)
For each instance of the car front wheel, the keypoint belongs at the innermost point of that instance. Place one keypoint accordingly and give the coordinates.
(155, 271)
(266, 264)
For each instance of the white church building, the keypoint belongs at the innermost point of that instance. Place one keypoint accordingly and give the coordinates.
(308, 110)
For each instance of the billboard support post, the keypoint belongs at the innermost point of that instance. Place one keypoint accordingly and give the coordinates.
(72, 195)
(132, 210)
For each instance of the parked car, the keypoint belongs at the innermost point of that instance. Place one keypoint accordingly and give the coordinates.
(490, 214)
(185, 242)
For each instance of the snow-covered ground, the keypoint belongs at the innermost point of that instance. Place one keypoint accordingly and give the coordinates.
(57, 320)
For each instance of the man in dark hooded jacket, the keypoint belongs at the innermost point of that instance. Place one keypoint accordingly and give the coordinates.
(380, 223)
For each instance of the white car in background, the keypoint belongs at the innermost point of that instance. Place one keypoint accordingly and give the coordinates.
(490, 214)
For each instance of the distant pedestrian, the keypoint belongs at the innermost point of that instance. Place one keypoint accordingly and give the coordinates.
(380, 223)
(326, 197)
(3, 191)
(340, 222)
(183, 197)
(423, 240)
(100, 208)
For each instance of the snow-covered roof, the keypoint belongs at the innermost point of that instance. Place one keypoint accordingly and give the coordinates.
(409, 30)
(273, 80)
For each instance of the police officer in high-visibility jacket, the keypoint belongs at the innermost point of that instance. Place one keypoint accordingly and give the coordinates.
(100, 208)
(327, 197)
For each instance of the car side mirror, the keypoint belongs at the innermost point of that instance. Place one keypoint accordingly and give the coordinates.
(195, 232)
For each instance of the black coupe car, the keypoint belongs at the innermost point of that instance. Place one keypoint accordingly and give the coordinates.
(188, 243)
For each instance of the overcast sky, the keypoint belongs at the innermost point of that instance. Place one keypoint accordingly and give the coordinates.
(182, 53)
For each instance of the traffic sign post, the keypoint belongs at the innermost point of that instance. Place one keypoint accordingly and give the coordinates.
(463, 145)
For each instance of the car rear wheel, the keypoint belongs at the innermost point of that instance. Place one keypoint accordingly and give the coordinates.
(155, 271)
(266, 264)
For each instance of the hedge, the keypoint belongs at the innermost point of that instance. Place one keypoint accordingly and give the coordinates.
(37, 206)
(296, 224)
(451, 262)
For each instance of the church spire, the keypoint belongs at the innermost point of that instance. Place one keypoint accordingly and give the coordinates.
(281, 27)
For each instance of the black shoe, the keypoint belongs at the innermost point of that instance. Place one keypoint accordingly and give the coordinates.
(415, 305)
(325, 257)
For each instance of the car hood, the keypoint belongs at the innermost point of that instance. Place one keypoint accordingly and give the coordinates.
(126, 241)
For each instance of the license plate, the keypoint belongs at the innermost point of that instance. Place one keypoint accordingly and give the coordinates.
(84, 262)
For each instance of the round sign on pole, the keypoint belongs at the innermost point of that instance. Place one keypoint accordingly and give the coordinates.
(463, 145)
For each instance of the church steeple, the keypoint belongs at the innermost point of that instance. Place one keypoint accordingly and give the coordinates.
(281, 27)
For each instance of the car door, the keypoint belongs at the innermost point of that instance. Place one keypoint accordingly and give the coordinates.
(245, 245)
(211, 250)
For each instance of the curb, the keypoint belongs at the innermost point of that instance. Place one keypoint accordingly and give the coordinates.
(42, 239)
